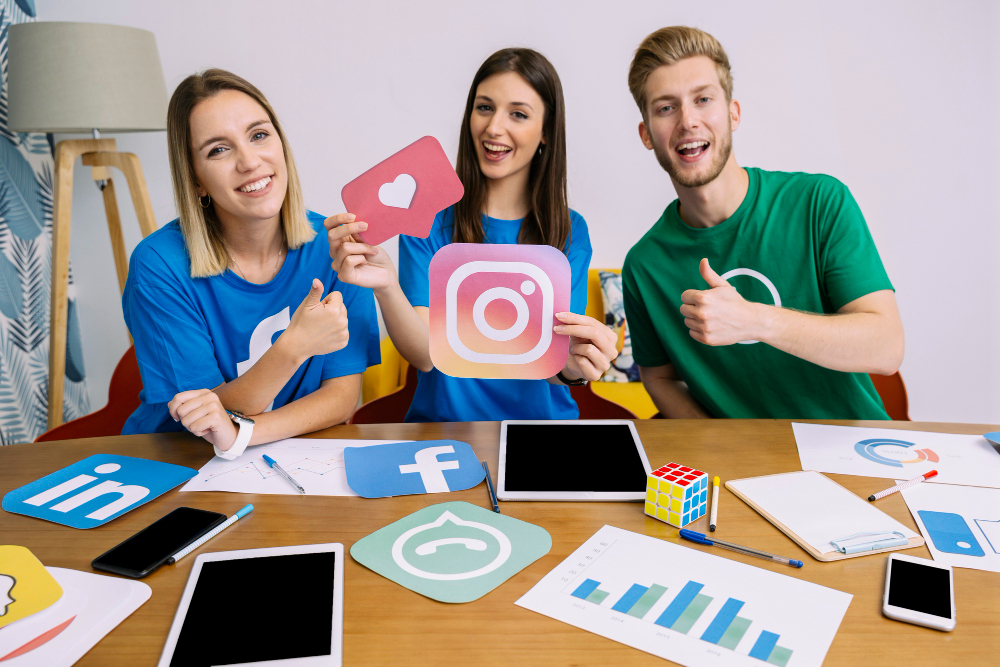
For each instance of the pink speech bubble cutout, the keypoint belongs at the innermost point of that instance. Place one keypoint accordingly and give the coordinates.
(403, 193)
(492, 309)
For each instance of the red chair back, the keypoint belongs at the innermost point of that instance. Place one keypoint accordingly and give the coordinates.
(123, 399)
(391, 408)
(593, 406)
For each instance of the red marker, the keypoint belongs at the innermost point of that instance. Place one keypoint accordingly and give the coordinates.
(901, 486)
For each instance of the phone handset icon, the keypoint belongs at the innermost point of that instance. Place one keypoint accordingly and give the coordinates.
(467, 542)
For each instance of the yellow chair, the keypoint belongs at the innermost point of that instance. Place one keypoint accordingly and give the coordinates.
(386, 377)
(631, 395)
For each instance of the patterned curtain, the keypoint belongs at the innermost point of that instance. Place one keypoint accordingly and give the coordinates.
(26, 168)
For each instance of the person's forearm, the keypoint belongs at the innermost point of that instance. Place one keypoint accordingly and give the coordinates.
(858, 342)
(406, 328)
(674, 401)
(253, 391)
(333, 403)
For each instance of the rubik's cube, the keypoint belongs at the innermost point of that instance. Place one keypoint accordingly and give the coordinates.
(676, 494)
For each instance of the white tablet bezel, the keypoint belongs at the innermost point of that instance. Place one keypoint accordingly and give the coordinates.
(336, 657)
(504, 494)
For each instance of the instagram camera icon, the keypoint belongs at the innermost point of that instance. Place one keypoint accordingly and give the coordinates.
(492, 309)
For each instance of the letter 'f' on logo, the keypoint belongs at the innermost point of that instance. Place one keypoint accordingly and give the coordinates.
(430, 469)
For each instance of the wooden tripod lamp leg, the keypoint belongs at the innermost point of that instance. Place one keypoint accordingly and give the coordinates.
(66, 153)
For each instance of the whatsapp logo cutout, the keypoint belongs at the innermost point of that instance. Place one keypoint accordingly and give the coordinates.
(452, 552)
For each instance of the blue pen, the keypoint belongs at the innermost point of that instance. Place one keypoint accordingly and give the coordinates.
(281, 471)
(712, 542)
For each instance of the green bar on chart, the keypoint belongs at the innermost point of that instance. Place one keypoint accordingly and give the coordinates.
(648, 599)
(691, 614)
(597, 597)
(735, 633)
(779, 656)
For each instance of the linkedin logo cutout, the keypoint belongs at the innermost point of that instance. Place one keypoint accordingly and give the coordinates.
(96, 490)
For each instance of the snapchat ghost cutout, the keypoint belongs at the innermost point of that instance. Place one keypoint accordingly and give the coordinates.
(26, 586)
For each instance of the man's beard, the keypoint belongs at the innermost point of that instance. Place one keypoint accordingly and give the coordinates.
(722, 153)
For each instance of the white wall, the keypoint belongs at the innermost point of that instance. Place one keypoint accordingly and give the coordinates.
(896, 99)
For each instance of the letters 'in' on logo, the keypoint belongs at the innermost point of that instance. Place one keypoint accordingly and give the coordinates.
(492, 310)
(403, 193)
(95, 490)
(405, 468)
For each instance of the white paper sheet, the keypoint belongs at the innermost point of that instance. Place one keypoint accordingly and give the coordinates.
(979, 508)
(816, 508)
(317, 464)
(108, 601)
(894, 453)
(713, 611)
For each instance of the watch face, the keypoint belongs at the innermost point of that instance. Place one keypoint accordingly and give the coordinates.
(239, 417)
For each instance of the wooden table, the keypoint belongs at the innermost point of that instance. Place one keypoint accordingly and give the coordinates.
(388, 624)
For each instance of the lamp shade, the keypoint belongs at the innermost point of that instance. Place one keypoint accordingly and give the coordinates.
(76, 77)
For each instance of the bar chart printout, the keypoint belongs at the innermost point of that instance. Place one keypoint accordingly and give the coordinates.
(684, 605)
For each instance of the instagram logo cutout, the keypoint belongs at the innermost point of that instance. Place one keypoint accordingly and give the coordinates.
(492, 309)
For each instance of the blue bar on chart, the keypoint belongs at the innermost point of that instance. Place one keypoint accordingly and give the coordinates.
(648, 599)
(585, 589)
(764, 645)
(679, 604)
(722, 621)
(627, 601)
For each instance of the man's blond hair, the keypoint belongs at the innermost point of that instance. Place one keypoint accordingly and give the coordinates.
(667, 46)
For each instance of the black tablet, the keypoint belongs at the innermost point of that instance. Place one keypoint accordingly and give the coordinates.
(571, 460)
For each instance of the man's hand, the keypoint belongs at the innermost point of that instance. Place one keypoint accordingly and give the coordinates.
(319, 325)
(201, 413)
(719, 315)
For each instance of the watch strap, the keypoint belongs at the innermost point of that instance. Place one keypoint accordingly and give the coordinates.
(240, 444)
(579, 382)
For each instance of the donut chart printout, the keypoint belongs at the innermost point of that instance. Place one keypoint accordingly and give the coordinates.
(960, 523)
(684, 605)
(897, 454)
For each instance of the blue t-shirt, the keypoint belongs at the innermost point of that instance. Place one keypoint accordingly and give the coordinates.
(196, 333)
(440, 397)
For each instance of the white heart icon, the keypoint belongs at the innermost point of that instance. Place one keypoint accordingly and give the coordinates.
(399, 193)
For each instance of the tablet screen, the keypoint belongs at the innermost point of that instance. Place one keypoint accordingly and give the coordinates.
(257, 609)
(573, 457)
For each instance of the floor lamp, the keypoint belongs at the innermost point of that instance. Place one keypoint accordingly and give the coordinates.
(85, 78)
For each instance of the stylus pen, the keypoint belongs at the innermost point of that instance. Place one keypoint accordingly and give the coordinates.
(902, 485)
(713, 521)
(489, 486)
(207, 536)
(281, 471)
(712, 542)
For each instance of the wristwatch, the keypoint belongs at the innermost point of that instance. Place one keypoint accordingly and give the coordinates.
(579, 382)
(245, 425)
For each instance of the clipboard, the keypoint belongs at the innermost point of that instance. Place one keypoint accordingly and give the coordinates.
(812, 510)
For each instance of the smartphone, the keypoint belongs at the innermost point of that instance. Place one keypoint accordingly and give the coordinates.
(919, 591)
(153, 545)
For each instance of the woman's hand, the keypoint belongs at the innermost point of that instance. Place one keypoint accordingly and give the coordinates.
(592, 345)
(319, 325)
(201, 413)
(355, 262)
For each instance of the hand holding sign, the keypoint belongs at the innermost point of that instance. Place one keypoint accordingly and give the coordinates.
(402, 194)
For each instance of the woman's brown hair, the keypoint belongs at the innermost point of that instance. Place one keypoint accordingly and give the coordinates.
(200, 226)
(547, 221)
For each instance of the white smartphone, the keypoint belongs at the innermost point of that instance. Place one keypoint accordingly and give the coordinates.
(919, 591)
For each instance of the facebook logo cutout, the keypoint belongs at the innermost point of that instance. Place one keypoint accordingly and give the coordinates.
(96, 490)
(406, 468)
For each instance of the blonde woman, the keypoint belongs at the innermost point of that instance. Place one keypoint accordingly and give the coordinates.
(208, 293)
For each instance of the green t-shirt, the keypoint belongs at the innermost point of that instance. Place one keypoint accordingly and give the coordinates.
(798, 241)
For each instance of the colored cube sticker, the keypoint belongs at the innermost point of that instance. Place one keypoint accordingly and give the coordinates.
(677, 494)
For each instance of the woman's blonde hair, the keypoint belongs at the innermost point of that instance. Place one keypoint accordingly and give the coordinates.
(200, 226)
(667, 46)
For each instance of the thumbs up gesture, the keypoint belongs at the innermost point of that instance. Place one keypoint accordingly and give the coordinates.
(719, 315)
(319, 325)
